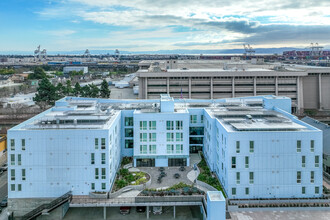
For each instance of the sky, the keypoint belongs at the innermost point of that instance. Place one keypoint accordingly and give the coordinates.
(151, 25)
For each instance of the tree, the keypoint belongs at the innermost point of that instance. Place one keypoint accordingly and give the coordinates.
(69, 90)
(105, 91)
(85, 91)
(77, 90)
(39, 73)
(46, 94)
(60, 90)
(94, 91)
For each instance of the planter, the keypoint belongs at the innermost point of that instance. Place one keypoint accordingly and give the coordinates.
(97, 195)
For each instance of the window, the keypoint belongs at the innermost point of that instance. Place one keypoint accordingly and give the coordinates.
(103, 158)
(103, 143)
(12, 187)
(202, 118)
(233, 191)
(12, 144)
(143, 149)
(103, 173)
(299, 146)
(193, 119)
(312, 176)
(92, 158)
(152, 149)
(179, 148)
(179, 136)
(170, 148)
(169, 125)
(237, 147)
(23, 144)
(238, 178)
(247, 191)
(246, 162)
(303, 161)
(93, 186)
(143, 125)
(251, 178)
(170, 137)
(23, 174)
(19, 159)
(129, 143)
(12, 159)
(96, 173)
(152, 137)
(96, 143)
(317, 190)
(129, 132)
(152, 125)
(143, 137)
(251, 146)
(179, 125)
(303, 190)
(103, 186)
(128, 121)
(298, 176)
(317, 161)
(312, 145)
(19, 187)
(233, 162)
(12, 174)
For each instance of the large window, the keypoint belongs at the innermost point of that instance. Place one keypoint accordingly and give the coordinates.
(246, 162)
(298, 176)
(169, 125)
(103, 158)
(129, 143)
(179, 148)
(299, 146)
(19, 159)
(202, 118)
(251, 175)
(152, 125)
(238, 178)
(92, 158)
(143, 125)
(129, 132)
(23, 174)
(145, 162)
(179, 125)
(103, 173)
(23, 144)
(96, 143)
(251, 146)
(312, 145)
(170, 137)
(317, 161)
(12, 174)
(152, 137)
(129, 121)
(12, 187)
(303, 161)
(170, 148)
(317, 190)
(247, 191)
(143, 137)
(103, 143)
(179, 137)
(93, 186)
(233, 162)
(193, 119)
(152, 149)
(12, 144)
(196, 140)
(143, 149)
(19, 187)
(12, 159)
(237, 146)
(103, 186)
(176, 162)
(96, 173)
(312, 176)
(233, 191)
(196, 131)
(303, 190)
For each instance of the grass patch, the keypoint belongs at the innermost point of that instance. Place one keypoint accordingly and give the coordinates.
(206, 175)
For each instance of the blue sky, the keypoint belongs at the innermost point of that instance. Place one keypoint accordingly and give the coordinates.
(148, 25)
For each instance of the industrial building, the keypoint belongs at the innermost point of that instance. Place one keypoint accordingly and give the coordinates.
(256, 148)
(307, 86)
(69, 69)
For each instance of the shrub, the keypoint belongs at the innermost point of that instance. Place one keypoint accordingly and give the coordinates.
(121, 183)
(123, 172)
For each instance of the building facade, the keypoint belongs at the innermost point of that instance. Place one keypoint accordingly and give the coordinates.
(256, 148)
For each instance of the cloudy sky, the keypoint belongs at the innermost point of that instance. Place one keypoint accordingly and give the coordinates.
(150, 25)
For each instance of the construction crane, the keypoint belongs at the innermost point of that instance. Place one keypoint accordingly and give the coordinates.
(43, 54)
(37, 53)
(315, 50)
(248, 50)
(117, 54)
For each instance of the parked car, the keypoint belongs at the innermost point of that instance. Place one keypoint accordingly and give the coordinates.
(125, 210)
(157, 210)
(4, 202)
(140, 208)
